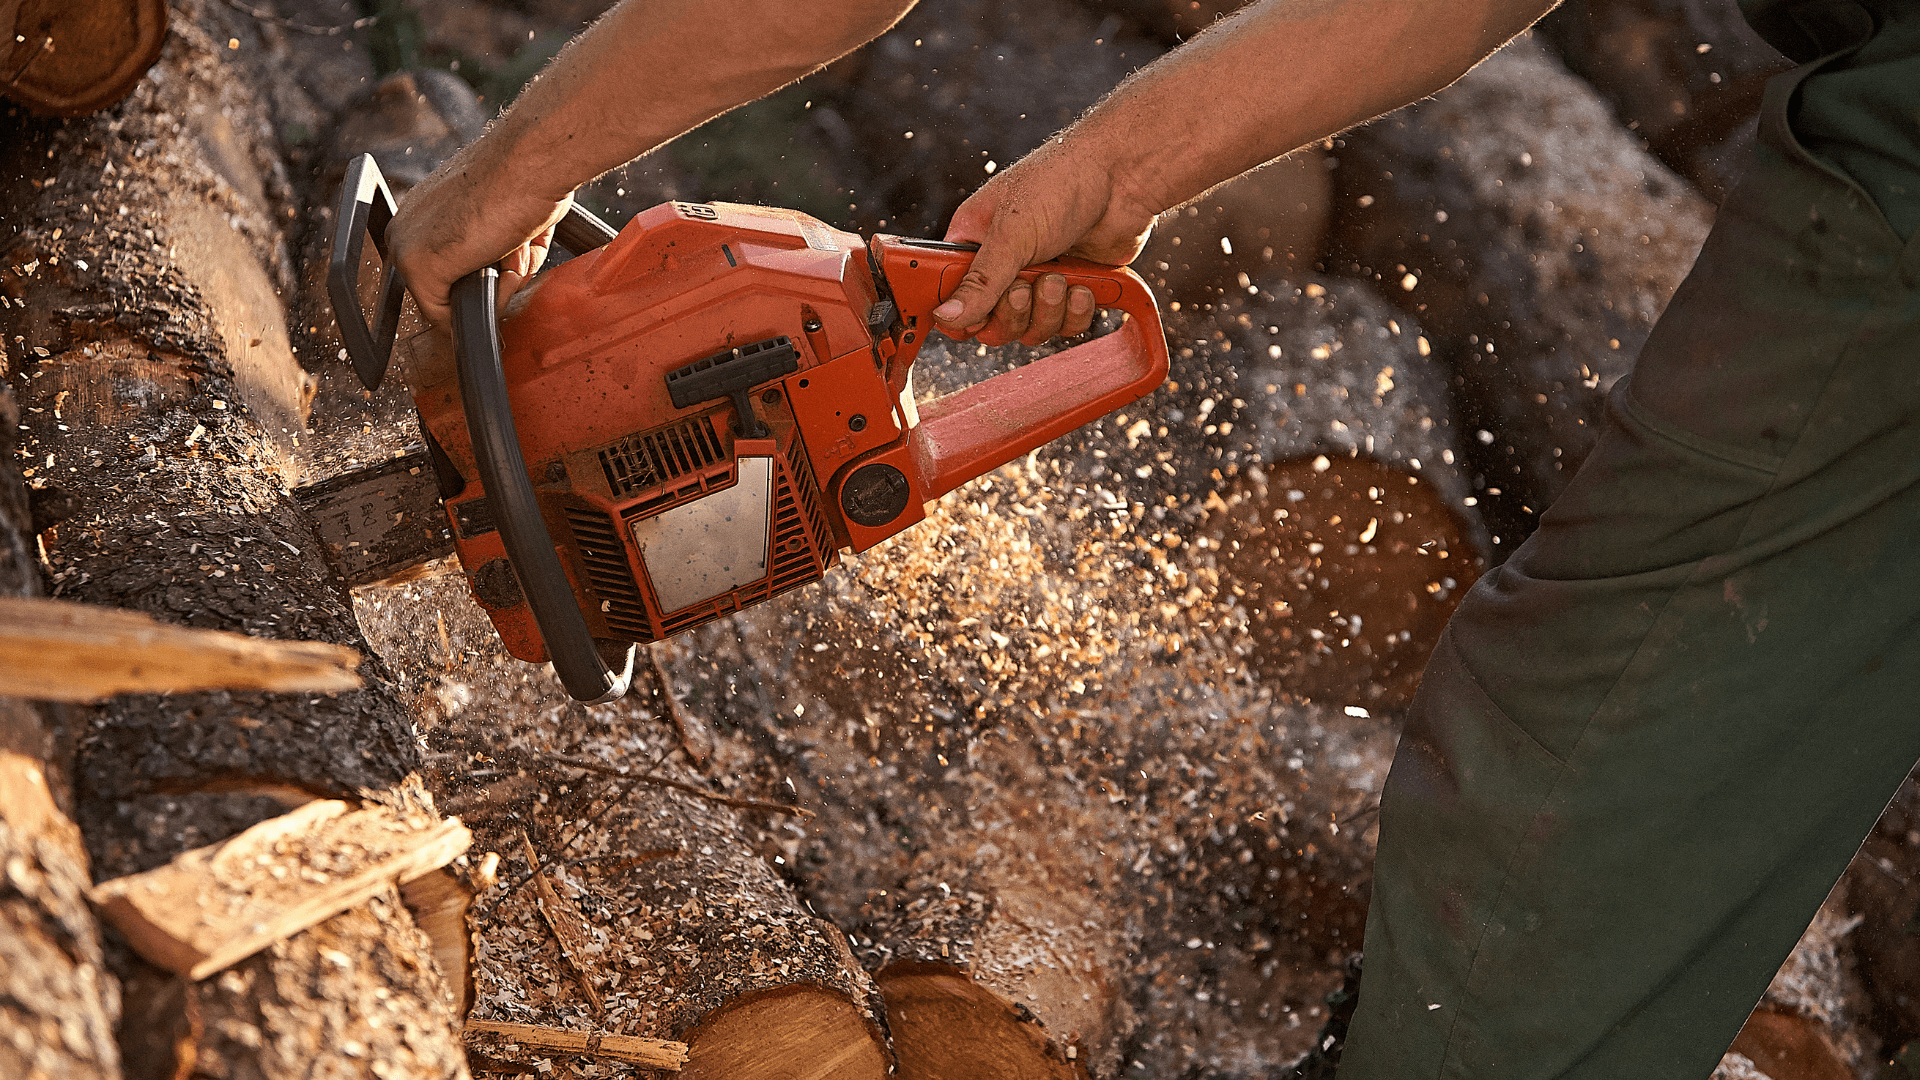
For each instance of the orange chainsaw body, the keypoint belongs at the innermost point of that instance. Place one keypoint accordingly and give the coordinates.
(669, 508)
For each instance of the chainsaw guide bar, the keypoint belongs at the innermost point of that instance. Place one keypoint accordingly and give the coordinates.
(379, 522)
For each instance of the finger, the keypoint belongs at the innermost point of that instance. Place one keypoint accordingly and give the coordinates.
(1049, 309)
(994, 269)
(1010, 316)
(1079, 311)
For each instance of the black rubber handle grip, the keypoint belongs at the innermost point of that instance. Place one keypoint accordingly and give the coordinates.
(510, 495)
(366, 208)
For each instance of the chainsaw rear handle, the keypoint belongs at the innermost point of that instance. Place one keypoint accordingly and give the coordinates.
(510, 495)
(366, 209)
(970, 432)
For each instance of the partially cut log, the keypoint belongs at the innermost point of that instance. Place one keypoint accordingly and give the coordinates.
(74, 57)
(57, 651)
(1536, 241)
(213, 906)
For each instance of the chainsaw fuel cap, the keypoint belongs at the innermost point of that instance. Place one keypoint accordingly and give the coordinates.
(875, 494)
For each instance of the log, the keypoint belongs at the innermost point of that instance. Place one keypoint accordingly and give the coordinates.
(1345, 524)
(59, 1005)
(158, 389)
(56, 651)
(214, 906)
(74, 57)
(1535, 241)
(656, 896)
(1686, 75)
(1882, 951)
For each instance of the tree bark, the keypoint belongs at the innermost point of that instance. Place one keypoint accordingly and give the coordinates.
(59, 1004)
(145, 261)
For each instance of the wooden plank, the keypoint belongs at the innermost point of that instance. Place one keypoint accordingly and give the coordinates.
(219, 904)
(54, 650)
(652, 1053)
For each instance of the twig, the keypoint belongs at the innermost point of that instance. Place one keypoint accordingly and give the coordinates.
(661, 781)
(651, 1053)
(694, 736)
(284, 23)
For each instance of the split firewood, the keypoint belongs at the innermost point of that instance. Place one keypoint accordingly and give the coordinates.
(503, 1040)
(74, 57)
(441, 902)
(569, 929)
(159, 391)
(53, 650)
(1536, 241)
(213, 906)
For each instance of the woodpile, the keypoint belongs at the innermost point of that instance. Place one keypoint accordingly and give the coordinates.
(1075, 779)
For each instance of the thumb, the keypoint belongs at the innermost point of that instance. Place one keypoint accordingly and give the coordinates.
(994, 269)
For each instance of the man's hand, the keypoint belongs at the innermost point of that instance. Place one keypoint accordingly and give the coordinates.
(458, 220)
(1054, 202)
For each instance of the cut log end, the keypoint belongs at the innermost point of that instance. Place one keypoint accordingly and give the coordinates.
(74, 57)
(793, 1033)
(947, 1026)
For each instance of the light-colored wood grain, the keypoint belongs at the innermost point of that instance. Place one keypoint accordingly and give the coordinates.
(53, 650)
(219, 904)
(544, 1041)
(568, 928)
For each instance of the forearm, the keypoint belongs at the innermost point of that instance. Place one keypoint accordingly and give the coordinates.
(652, 69)
(1279, 75)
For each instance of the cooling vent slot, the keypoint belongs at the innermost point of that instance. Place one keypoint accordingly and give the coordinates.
(656, 457)
(606, 563)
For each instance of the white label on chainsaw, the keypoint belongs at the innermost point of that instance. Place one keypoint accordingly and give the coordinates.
(713, 545)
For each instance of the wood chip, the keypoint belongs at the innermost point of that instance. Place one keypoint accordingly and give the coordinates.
(652, 1053)
(569, 928)
(214, 906)
(53, 650)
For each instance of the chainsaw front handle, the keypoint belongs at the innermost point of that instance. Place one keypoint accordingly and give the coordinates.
(510, 496)
(973, 431)
(366, 209)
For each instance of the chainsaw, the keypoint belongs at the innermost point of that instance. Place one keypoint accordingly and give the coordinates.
(684, 418)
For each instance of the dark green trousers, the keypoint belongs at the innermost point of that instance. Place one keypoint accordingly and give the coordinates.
(1649, 743)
